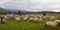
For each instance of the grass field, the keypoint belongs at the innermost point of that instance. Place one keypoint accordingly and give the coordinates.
(25, 25)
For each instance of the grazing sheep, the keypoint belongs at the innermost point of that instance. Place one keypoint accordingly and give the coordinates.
(52, 18)
(57, 21)
(44, 14)
(44, 17)
(39, 18)
(33, 19)
(5, 17)
(17, 18)
(2, 20)
(47, 16)
(25, 18)
(51, 24)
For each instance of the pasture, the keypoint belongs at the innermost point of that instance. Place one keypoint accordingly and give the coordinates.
(11, 24)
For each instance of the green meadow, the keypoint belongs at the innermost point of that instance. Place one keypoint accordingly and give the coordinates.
(11, 24)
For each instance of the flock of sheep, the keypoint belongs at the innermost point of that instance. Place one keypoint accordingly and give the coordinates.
(34, 18)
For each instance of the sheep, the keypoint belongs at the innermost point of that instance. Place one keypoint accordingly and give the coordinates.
(51, 23)
(10, 15)
(57, 21)
(46, 17)
(25, 18)
(44, 14)
(52, 18)
(5, 16)
(2, 20)
(39, 18)
(17, 18)
(33, 19)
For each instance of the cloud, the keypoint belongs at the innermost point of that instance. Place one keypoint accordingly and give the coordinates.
(3, 1)
(32, 5)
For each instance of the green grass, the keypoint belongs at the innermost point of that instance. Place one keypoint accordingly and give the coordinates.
(25, 25)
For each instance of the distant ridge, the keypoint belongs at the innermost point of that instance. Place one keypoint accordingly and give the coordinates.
(22, 11)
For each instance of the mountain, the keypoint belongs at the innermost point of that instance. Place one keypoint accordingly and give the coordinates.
(12, 11)
(47, 11)
(21, 11)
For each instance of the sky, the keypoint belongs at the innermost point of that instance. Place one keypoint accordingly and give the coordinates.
(31, 5)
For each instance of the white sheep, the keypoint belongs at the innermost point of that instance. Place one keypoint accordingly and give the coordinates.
(33, 19)
(57, 21)
(50, 23)
(36, 19)
(25, 18)
(52, 18)
(40, 18)
(5, 17)
(17, 18)
(47, 16)
(44, 17)
(2, 20)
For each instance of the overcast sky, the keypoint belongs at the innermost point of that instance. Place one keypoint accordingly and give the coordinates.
(31, 5)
